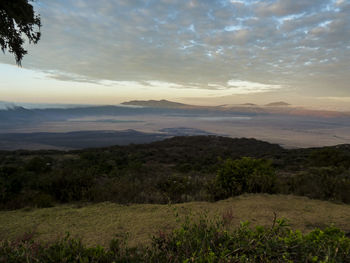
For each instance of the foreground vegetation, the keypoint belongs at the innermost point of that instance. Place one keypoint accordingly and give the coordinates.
(181, 169)
(97, 224)
(67, 191)
(196, 241)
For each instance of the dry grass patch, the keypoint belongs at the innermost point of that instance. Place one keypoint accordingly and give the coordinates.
(99, 223)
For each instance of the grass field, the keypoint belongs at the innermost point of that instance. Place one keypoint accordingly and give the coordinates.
(99, 223)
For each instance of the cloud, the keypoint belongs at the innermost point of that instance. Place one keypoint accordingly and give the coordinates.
(246, 87)
(288, 7)
(290, 42)
(343, 99)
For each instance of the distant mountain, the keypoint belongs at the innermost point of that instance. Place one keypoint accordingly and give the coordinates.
(277, 104)
(5, 104)
(89, 139)
(76, 139)
(27, 105)
(281, 108)
(19, 114)
(249, 104)
(185, 131)
(156, 103)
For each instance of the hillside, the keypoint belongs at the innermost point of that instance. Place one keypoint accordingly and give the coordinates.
(172, 194)
(76, 139)
(278, 104)
(97, 224)
(156, 103)
(179, 169)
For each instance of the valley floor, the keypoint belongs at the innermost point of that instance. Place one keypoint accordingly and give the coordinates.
(99, 223)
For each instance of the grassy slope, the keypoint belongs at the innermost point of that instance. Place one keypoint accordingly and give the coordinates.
(98, 223)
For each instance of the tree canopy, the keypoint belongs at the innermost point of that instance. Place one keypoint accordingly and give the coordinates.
(17, 21)
(245, 175)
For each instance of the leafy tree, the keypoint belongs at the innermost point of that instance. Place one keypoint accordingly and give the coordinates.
(18, 19)
(245, 175)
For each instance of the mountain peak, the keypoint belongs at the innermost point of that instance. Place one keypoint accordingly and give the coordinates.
(155, 103)
(277, 104)
(248, 104)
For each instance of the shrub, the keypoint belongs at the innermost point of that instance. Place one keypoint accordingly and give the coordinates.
(65, 250)
(211, 242)
(244, 175)
(331, 157)
(11, 183)
(195, 241)
(39, 164)
(323, 183)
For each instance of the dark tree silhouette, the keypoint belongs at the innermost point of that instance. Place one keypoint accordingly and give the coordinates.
(17, 21)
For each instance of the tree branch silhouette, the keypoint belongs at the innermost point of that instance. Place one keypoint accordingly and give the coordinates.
(17, 22)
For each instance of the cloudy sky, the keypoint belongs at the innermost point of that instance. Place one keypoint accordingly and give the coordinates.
(199, 51)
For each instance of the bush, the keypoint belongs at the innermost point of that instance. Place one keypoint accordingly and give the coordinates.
(212, 242)
(245, 175)
(195, 241)
(323, 183)
(331, 157)
(65, 250)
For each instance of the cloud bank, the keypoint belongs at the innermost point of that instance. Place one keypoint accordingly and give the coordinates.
(239, 45)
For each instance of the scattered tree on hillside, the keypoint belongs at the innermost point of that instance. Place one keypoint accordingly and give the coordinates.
(245, 175)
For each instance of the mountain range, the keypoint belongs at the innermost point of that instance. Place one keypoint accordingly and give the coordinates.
(279, 107)
(83, 126)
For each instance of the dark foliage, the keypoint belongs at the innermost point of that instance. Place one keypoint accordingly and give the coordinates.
(180, 169)
(327, 157)
(327, 183)
(17, 18)
(245, 175)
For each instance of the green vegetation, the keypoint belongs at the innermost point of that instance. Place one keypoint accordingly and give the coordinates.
(210, 242)
(66, 191)
(200, 240)
(181, 169)
(246, 175)
(97, 224)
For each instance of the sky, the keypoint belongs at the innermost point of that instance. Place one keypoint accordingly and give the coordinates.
(195, 51)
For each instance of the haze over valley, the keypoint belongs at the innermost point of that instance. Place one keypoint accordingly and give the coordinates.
(81, 126)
